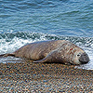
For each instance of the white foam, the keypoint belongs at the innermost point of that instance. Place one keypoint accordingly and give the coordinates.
(10, 60)
(15, 43)
(7, 47)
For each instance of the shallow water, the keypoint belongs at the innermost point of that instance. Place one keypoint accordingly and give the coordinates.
(26, 21)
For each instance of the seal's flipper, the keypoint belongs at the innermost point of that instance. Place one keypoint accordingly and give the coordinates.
(40, 61)
(48, 58)
(6, 55)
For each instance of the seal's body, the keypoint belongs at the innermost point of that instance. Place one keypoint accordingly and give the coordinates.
(52, 51)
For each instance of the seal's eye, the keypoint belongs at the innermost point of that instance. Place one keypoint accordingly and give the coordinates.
(79, 55)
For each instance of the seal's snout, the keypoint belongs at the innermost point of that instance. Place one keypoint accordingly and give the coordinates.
(84, 58)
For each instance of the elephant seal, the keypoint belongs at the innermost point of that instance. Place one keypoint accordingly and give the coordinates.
(52, 51)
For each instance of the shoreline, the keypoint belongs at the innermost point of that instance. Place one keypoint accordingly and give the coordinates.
(44, 77)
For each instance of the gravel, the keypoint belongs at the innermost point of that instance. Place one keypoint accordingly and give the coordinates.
(29, 77)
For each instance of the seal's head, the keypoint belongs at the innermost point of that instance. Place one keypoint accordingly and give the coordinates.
(80, 57)
(83, 58)
(73, 54)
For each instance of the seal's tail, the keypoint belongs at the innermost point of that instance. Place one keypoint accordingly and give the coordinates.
(6, 55)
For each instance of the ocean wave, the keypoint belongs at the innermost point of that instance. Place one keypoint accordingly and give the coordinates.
(27, 37)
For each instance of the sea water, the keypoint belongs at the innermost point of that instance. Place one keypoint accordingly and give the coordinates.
(27, 21)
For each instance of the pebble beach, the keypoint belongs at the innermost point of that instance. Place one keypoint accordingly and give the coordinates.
(28, 21)
(29, 77)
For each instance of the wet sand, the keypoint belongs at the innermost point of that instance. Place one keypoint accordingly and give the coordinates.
(32, 77)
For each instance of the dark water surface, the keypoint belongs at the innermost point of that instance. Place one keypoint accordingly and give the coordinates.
(26, 21)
